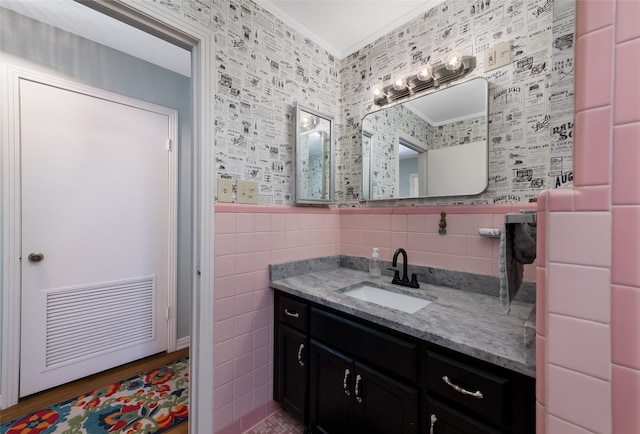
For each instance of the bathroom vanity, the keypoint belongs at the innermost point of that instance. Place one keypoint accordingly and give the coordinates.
(346, 365)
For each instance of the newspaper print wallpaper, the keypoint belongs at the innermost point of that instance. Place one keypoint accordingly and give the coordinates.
(264, 67)
(530, 100)
(457, 133)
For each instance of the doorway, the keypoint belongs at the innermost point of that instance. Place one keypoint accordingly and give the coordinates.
(411, 166)
(199, 42)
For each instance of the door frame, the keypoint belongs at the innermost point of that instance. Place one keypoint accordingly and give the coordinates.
(423, 154)
(199, 41)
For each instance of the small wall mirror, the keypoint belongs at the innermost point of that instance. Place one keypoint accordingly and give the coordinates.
(431, 146)
(314, 157)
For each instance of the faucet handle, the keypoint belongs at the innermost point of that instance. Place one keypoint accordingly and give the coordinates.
(414, 281)
(396, 274)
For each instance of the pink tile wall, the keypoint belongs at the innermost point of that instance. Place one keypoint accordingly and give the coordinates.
(589, 328)
(625, 296)
(247, 240)
(542, 301)
(416, 230)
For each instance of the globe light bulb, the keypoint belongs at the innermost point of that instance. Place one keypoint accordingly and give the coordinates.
(400, 82)
(453, 61)
(425, 73)
(378, 91)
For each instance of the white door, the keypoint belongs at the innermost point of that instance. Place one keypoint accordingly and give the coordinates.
(98, 181)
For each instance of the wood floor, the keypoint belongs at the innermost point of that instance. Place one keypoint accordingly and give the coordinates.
(67, 391)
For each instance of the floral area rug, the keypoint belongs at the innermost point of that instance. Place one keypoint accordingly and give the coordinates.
(147, 403)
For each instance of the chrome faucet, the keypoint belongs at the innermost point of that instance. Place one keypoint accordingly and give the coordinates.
(404, 281)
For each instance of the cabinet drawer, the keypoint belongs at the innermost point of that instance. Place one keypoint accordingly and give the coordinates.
(383, 350)
(483, 393)
(294, 312)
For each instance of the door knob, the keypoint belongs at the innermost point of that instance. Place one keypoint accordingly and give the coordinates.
(36, 257)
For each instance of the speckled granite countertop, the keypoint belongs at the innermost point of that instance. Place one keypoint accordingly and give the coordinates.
(471, 323)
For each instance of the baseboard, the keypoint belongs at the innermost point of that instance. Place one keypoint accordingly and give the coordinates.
(183, 342)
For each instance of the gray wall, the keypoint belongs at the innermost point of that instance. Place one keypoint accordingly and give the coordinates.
(40, 47)
(407, 167)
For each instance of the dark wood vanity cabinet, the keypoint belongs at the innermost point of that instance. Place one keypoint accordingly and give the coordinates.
(342, 375)
(291, 356)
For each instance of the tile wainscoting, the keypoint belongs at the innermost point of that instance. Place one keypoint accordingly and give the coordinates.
(250, 237)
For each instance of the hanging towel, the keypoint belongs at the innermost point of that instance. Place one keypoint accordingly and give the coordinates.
(517, 247)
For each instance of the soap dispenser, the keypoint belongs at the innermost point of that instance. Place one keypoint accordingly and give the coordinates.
(374, 263)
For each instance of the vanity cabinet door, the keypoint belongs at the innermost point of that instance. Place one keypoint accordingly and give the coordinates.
(442, 419)
(331, 386)
(348, 397)
(382, 404)
(293, 371)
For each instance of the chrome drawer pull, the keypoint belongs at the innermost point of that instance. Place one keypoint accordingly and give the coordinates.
(434, 419)
(292, 314)
(357, 389)
(476, 394)
(345, 386)
(300, 361)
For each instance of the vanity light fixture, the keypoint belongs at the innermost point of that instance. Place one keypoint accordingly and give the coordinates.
(455, 66)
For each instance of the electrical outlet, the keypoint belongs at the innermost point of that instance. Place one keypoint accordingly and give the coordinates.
(225, 190)
(247, 192)
(498, 56)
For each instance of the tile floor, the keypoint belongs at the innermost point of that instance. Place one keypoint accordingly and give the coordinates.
(279, 422)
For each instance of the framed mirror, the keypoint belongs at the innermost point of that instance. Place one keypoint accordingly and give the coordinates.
(431, 146)
(314, 157)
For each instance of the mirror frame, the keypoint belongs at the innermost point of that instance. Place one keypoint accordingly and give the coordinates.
(298, 164)
(423, 95)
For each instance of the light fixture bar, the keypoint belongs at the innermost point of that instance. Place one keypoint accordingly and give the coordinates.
(441, 75)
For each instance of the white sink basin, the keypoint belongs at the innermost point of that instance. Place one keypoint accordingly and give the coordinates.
(395, 300)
